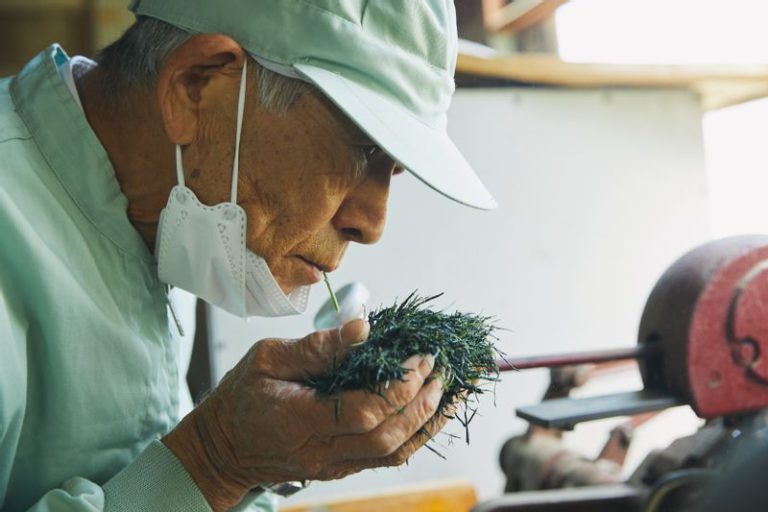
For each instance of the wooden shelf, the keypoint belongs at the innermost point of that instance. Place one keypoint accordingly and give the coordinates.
(719, 85)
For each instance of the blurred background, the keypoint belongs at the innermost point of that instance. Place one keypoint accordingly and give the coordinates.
(615, 134)
(80, 26)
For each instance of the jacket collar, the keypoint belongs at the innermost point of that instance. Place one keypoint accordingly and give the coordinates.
(73, 151)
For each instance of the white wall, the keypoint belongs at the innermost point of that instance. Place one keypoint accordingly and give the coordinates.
(737, 164)
(679, 36)
(599, 192)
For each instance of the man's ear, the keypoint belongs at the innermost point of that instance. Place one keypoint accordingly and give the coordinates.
(187, 78)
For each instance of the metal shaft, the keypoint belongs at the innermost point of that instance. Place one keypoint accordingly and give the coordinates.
(596, 356)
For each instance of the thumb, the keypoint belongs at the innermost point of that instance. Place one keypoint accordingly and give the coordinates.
(314, 354)
(354, 333)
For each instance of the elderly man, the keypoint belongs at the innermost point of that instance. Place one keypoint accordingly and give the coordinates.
(232, 149)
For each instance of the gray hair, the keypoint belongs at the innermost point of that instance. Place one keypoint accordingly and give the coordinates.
(133, 62)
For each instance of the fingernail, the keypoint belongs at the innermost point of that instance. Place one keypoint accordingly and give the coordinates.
(362, 332)
(425, 366)
(366, 331)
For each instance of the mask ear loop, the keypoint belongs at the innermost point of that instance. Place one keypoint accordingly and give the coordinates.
(240, 110)
(179, 166)
(180, 177)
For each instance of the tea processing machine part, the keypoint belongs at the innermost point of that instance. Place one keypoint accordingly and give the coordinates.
(703, 341)
(564, 413)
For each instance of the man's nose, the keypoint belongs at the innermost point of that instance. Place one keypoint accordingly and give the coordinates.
(363, 213)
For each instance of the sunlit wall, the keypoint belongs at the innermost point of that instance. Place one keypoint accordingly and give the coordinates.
(663, 31)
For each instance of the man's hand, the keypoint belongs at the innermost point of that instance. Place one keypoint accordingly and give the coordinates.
(261, 425)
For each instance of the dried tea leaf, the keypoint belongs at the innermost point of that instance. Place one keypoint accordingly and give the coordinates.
(462, 343)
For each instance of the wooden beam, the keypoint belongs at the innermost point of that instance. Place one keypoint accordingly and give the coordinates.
(726, 93)
(517, 15)
(491, 8)
(719, 85)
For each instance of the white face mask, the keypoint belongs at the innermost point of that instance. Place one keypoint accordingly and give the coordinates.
(202, 250)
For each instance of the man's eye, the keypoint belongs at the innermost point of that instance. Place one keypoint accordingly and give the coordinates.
(370, 151)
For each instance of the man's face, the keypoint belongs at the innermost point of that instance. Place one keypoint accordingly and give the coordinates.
(310, 182)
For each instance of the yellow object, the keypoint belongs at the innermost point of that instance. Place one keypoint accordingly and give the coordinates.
(448, 496)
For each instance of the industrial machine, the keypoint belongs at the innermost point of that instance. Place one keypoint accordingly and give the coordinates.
(703, 341)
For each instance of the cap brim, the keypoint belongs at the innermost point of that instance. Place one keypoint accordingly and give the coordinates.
(425, 151)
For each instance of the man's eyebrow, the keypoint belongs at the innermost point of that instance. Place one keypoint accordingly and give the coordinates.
(365, 140)
(354, 133)
(357, 136)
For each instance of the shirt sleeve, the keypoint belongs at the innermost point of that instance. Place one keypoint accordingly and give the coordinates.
(155, 481)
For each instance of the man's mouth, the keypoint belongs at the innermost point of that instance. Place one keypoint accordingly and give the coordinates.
(322, 267)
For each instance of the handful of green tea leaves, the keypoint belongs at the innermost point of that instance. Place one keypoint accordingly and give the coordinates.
(462, 343)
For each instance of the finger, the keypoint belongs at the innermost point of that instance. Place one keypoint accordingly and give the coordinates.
(395, 431)
(314, 354)
(417, 441)
(433, 427)
(357, 412)
(355, 332)
(405, 452)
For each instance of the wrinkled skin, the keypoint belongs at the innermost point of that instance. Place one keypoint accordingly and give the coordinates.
(303, 200)
(287, 433)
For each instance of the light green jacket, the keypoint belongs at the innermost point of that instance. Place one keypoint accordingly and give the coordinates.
(88, 357)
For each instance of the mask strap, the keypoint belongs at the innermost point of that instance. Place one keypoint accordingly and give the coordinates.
(179, 166)
(240, 110)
